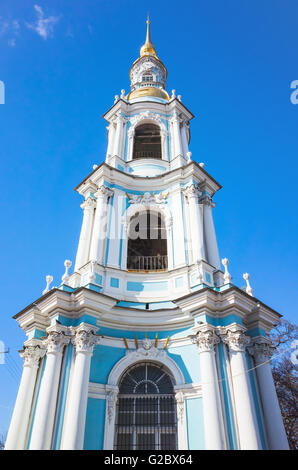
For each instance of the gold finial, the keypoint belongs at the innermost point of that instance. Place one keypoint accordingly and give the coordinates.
(148, 47)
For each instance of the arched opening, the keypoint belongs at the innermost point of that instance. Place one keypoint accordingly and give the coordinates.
(147, 242)
(146, 417)
(147, 142)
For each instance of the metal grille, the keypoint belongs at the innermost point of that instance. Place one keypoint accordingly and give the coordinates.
(147, 263)
(146, 410)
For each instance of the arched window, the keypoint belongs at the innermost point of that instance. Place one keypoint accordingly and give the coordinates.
(147, 142)
(147, 242)
(146, 410)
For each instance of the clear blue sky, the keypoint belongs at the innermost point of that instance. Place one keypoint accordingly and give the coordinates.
(62, 63)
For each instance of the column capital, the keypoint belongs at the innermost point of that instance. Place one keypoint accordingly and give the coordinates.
(206, 338)
(234, 336)
(261, 349)
(84, 338)
(32, 354)
(89, 204)
(103, 192)
(206, 200)
(192, 191)
(57, 338)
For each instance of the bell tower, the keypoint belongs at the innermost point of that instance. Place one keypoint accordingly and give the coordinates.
(147, 231)
(147, 344)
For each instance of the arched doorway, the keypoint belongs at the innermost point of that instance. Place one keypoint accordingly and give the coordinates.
(147, 142)
(147, 242)
(146, 415)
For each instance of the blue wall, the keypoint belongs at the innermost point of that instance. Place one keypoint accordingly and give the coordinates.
(95, 422)
(195, 424)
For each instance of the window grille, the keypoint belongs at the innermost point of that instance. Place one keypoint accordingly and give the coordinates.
(146, 410)
(147, 78)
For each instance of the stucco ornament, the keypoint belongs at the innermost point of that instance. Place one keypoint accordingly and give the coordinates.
(179, 397)
(147, 199)
(147, 351)
(147, 344)
(111, 398)
(206, 340)
(146, 66)
(56, 341)
(84, 341)
(32, 355)
(262, 350)
(192, 191)
(236, 340)
(145, 115)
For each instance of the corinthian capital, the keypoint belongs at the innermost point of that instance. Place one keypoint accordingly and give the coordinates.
(88, 204)
(57, 339)
(103, 192)
(207, 201)
(32, 355)
(84, 338)
(206, 338)
(192, 191)
(262, 350)
(235, 338)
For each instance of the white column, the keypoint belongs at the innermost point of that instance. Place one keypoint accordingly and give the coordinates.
(177, 136)
(111, 136)
(17, 433)
(206, 340)
(169, 228)
(164, 144)
(275, 430)
(178, 230)
(118, 136)
(249, 436)
(115, 229)
(98, 234)
(86, 231)
(209, 232)
(184, 139)
(42, 431)
(130, 136)
(196, 223)
(74, 428)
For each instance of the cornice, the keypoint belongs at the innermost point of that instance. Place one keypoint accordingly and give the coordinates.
(163, 180)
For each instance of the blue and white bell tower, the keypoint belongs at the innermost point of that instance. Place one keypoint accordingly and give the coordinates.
(147, 344)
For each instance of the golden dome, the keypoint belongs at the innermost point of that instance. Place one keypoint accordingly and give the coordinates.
(148, 47)
(148, 91)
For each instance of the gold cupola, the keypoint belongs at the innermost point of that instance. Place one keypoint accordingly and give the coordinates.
(148, 74)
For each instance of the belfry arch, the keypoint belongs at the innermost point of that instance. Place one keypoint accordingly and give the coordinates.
(147, 141)
(147, 242)
(143, 253)
(149, 122)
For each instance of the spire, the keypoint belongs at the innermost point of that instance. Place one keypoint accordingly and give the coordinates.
(148, 47)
